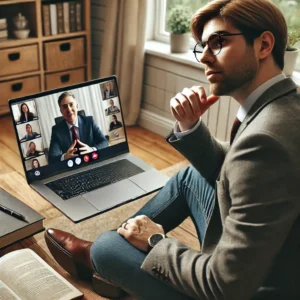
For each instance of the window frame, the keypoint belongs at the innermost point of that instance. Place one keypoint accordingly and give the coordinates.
(159, 26)
(160, 34)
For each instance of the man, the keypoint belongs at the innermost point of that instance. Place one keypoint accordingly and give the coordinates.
(243, 196)
(75, 134)
(112, 109)
(115, 123)
(108, 91)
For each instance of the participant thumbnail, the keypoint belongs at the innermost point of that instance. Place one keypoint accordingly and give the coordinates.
(36, 163)
(29, 131)
(115, 123)
(32, 149)
(108, 90)
(112, 107)
(24, 112)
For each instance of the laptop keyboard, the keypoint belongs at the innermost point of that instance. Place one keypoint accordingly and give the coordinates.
(83, 182)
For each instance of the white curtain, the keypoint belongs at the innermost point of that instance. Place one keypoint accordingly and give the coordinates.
(123, 52)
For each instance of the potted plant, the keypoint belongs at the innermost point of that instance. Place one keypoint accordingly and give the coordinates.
(178, 23)
(291, 53)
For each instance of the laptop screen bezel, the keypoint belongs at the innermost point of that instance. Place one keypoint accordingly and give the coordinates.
(122, 147)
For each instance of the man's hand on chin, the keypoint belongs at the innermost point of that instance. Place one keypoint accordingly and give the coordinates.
(189, 105)
(84, 148)
(137, 231)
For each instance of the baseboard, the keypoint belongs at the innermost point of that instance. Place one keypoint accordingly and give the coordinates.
(155, 123)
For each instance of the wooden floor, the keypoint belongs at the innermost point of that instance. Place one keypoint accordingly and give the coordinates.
(150, 147)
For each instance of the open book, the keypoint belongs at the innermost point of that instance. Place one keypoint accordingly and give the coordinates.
(25, 276)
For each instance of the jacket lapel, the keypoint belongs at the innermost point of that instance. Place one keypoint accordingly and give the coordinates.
(274, 92)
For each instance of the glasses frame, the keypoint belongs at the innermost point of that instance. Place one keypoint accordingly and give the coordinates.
(204, 44)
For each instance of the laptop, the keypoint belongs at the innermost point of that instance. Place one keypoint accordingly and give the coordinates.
(87, 169)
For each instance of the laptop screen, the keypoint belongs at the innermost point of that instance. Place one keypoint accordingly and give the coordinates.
(69, 127)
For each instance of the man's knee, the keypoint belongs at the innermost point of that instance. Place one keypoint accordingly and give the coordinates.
(104, 250)
(189, 172)
(112, 256)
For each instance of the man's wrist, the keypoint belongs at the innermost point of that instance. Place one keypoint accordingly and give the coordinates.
(180, 135)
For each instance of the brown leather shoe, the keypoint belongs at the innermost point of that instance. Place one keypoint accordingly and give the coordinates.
(73, 254)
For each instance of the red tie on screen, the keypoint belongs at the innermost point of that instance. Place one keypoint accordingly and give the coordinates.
(74, 133)
(234, 129)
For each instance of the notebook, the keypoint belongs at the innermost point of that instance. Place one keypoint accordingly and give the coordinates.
(74, 149)
(13, 229)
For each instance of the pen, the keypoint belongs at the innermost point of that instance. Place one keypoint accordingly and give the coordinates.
(13, 213)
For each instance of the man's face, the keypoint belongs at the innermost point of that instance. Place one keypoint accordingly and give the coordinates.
(111, 102)
(235, 66)
(68, 108)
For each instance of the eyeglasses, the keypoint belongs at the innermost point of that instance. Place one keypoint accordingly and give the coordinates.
(214, 44)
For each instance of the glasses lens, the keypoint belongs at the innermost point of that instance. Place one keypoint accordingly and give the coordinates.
(214, 44)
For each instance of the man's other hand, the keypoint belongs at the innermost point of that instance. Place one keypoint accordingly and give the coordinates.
(84, 148)
(189, 105)
(137, 231)
(71, 151)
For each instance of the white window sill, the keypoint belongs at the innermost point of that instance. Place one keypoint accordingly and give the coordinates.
(163, 50)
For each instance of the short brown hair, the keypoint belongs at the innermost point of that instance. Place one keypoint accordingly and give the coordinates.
(63, 95)
(251, 17)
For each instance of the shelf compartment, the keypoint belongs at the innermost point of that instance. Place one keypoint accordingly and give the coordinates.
(17, 88)
(64, 78)
(19, 60)
(64, 55)
(11, 9)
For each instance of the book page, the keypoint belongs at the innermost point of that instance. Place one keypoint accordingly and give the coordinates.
(6, 293)
(32, 278)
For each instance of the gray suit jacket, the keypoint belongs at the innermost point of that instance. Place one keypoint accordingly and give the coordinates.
(251, 248)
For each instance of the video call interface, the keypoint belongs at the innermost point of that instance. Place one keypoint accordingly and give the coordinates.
(69, 128)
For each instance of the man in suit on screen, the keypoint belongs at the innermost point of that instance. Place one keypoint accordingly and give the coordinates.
(75, 134)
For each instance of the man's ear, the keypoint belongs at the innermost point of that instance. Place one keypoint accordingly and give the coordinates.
(265, 45)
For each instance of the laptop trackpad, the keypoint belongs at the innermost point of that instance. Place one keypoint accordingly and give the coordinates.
(113, 195)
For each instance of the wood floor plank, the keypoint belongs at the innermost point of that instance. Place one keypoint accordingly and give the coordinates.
(189, 226)
(184, 237)
(151, 142)
(154, 161)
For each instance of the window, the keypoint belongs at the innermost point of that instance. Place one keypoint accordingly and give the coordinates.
(289, 8)
(163, 7)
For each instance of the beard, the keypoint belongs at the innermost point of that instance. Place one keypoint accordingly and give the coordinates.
(241, 75)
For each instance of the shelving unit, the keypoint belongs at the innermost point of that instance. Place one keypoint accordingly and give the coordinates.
(40, 62)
